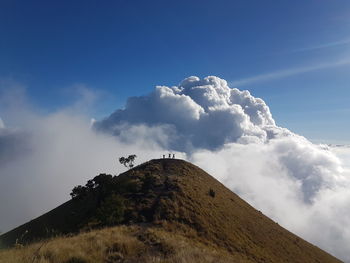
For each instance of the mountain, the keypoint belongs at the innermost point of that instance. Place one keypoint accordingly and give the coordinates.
(180, 199)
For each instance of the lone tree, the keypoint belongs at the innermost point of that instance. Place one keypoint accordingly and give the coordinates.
(128, 161)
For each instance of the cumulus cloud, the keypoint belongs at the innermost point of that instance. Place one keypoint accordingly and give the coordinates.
(193, 111)
(226, 131)
(233, 135)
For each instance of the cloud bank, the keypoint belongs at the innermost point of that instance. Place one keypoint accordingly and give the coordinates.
(44, 156)
(228, 132)
(233, 135)
(196, 114)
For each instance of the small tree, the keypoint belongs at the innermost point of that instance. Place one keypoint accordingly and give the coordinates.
(100, 186)
(128, 161)
(78, 192)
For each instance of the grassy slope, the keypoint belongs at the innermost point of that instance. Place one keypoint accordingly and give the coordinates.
(175, 197)
(119, 244)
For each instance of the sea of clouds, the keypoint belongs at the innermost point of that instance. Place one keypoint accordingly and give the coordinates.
(228, 132)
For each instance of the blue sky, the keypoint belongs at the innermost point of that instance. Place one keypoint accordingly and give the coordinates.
(293, 54)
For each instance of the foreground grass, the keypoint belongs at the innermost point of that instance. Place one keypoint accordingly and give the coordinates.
(118, 244)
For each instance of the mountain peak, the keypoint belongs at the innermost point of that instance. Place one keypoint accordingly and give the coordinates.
(178, 196)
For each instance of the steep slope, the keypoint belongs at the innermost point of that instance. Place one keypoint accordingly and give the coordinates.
(179, 197)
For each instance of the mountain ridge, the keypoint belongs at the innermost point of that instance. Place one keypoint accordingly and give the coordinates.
(176, 195)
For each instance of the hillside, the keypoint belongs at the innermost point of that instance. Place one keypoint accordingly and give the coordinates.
(179, 200)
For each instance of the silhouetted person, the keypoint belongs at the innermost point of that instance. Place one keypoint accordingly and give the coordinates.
(163, 156)
(169, 155)
(173, 155)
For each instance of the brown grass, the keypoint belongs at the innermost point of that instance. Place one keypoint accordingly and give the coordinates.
(117, 244)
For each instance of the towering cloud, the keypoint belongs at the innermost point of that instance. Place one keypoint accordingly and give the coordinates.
(228, 132)
(208, 115)
(200, 113)
(233, 135)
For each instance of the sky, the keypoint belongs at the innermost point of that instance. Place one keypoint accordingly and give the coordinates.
(293, 55)
(254, 92)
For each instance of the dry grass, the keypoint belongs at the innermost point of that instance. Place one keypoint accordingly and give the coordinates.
(118, 244)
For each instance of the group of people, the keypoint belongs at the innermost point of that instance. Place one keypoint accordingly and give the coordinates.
(169, 156)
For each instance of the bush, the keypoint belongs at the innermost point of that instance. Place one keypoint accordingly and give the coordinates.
(101, 184)
(111, 211)
(211, 192)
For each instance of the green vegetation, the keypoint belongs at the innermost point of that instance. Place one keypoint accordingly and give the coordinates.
(211, 192)
(128, 161)
(105, 192)
(111, 211)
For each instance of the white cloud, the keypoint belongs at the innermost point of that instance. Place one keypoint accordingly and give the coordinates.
(324, 45)
(47, 155)
(294, 182)
(343, 153)
(228, 132)
(192, 112)
(232, 135)
(279, 74)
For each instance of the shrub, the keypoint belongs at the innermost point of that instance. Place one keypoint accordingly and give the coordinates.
(111, 211)
(101, 184)
(211, 192)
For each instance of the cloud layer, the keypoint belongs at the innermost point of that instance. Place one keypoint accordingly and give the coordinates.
(232, 135)
(44, 156)
(228, 132)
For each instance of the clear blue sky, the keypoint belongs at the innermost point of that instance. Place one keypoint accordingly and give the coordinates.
(293, 54)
